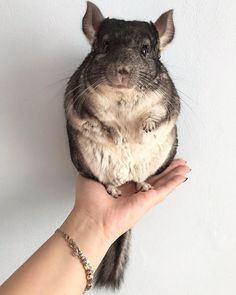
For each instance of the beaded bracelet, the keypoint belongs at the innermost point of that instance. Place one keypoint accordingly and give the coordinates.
(77, 252)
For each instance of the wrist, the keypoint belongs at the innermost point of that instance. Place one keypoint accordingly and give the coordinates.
(89, 236)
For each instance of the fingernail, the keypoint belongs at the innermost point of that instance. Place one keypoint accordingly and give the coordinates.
(185, 179)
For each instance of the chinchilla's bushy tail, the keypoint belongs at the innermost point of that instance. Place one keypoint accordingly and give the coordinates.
(110, 272)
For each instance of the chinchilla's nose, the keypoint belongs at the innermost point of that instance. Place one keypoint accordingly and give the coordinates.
(121, 76)
(119, 73)
(123, 70)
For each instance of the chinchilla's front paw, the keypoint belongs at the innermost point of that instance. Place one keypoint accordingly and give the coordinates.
(92, 126)
(149, 125)
(113, 190)
(143, 186)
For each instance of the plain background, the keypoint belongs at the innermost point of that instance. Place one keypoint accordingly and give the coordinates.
(186, 245)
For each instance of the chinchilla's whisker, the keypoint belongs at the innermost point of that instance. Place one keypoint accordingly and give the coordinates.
(81, 102)
(84, 91)
(145, 81)
(75, 98)
(73, 89)
(187, 96)
(187, 105)
(95, 85)
(184, 104)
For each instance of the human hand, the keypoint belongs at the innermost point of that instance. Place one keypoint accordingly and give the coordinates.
(116, 216)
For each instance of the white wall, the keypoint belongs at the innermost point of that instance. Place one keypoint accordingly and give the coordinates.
(187, 244)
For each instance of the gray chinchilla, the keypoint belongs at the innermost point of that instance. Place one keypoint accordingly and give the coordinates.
(121, 109)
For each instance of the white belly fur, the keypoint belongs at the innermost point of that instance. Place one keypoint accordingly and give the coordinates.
(117, 164)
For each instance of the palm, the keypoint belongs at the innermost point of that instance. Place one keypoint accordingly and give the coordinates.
(121, 214)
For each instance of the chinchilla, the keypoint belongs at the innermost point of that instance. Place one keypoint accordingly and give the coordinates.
(121, 109)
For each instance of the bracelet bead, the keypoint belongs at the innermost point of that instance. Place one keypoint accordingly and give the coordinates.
(77, 252)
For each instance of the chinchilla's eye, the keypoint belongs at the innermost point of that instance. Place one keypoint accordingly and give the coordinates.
(106, 46)
(144, 50)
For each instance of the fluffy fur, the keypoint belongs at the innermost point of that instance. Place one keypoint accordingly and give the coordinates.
(120, 134)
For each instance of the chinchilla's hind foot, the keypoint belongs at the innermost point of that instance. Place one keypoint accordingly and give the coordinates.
(113, 190)
(143, 186)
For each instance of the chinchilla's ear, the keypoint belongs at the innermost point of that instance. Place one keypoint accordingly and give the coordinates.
(165, 27)
(91, 21)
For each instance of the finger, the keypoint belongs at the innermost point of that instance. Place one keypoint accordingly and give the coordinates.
(166, 188)
(150, 198)
(179, 170)
(130, 188)
(173, 165)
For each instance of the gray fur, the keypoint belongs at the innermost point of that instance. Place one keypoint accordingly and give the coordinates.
(121, 109)
(110, 272)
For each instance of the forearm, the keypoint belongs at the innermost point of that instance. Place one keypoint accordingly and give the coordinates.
(52, 269)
